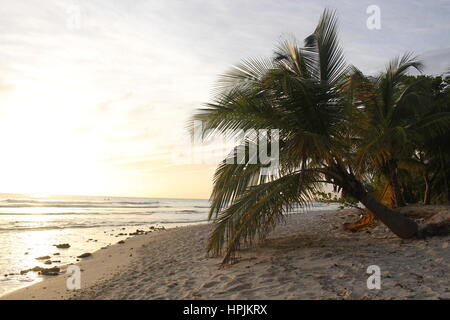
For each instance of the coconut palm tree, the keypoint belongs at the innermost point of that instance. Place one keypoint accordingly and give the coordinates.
(398, 115)
(306, 93)
(431, 148)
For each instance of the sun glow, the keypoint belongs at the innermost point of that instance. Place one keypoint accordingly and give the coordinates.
(46, 152)
(68, 135)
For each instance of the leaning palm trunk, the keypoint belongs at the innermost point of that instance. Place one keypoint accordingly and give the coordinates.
(400, 225)
(385, 195)
(305, 93)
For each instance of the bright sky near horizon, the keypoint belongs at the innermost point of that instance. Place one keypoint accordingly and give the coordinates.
(95, 94)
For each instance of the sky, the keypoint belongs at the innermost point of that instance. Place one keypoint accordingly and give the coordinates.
(95, 95)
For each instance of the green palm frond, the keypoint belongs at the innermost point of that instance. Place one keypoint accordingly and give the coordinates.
(296, 60)
(299, 93)
(324, 43)
(250, 74)
(335, 126)
(389, 81)
(257, 210)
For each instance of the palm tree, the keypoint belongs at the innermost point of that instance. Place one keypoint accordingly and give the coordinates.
(397, 116)
(431, 146)
(306, 93)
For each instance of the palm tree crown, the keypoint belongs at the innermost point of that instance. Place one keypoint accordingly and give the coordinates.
(308, 93)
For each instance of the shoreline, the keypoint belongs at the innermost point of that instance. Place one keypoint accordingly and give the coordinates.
(308, 257)
(103, 263)
(32, 227)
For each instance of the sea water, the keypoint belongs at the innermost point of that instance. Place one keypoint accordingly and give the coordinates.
(30, 227)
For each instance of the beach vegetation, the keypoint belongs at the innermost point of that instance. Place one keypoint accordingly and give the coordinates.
(337, 127)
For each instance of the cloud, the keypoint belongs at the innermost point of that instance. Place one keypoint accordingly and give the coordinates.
(129, 75)
(436, 62)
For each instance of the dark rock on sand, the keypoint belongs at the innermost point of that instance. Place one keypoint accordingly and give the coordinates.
(62, 245)
(85, 255)
(43, 271)
(49, 271)
(43, 258)
(138, 232)
(36, 269)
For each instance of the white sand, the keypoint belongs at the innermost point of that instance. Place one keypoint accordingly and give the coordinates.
(308, 257)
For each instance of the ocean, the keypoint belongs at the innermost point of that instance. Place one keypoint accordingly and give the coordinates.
(30, 227)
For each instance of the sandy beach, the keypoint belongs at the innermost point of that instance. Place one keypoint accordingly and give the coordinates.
(138, 135)
(309, 256)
